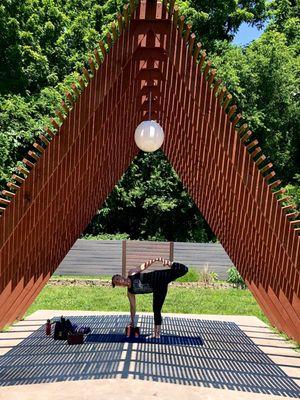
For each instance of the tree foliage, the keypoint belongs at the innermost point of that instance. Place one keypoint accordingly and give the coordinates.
(214, 20)
(151, 203)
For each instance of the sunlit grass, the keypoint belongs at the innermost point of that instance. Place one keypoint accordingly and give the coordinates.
(179, 300)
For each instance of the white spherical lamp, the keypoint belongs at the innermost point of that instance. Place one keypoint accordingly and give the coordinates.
(149, 136)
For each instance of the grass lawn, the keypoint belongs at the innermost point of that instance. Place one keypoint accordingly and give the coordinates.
(179, 300)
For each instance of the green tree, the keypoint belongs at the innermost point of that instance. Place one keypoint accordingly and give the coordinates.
(151, 203)
(220, 20)
(265, 80)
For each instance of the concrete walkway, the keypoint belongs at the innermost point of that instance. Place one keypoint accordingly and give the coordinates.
(198, 356)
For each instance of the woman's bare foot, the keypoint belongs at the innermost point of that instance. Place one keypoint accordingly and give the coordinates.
(156, 333)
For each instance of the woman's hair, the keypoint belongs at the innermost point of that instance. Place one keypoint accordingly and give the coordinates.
(112, 280)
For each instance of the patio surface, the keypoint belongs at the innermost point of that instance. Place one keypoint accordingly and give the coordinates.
(198, 356)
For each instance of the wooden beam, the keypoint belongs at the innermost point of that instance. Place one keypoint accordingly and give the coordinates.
(181, 24)
(81, 83)
(289, 207)
(260, 160)
(49, 132)
(154, 89)
(23, 170)
(126, 15)
(97, 57)
(132, 6)
(269, 176)
(274, 184)
(171, 9)
(222, 93)
(197, 51)
(13, 186)
(286, 198)
(292, 215)
(202, 59)
(44, 139)
(120, 23)
(86, 74)
(18, 178)
(8, 193)
(144, 53)
(114, 31)
(4, 201)
(60, 116)
(191, 43)
(39, 147)
(149, 74)
(295, 222)
(246, 136)
(187, 33)
(255, 152)
(28, 163)
(108, 40)
(231, 111)
(70, 98)
(175, 15)
(252, 144)
(242, 128)
(216, 86)
(227, 101)
(236, 119)
(92, 65)
(206, 69)
(280, 191)
(102, 48)
(33, 155)
(75, 89)
(266, 167)
(54, 123)
(65, 108)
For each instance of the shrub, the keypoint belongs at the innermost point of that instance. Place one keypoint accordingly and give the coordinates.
(234, 277)
(208, 276)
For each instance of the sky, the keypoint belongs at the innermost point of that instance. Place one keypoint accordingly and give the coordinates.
(246, 34)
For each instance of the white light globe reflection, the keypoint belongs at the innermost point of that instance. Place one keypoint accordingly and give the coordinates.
(149, 136)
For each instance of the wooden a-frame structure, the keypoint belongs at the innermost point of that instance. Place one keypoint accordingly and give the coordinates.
(75, 164)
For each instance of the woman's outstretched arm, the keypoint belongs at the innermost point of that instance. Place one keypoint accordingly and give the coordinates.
(131, 298)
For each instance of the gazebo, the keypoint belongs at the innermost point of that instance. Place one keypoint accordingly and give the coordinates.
(81, 155)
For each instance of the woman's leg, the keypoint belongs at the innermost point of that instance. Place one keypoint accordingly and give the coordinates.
(165, 276)
(177, 270)
(159, 295)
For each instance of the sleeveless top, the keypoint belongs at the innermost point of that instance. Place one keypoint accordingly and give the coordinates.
(138, 285)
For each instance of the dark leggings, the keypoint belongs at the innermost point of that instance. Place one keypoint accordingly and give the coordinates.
(159, 280)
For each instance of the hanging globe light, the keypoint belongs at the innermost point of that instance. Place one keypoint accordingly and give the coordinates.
(149, 136)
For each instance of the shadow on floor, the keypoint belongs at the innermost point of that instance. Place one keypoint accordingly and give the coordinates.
(191, 352)
(164, 339)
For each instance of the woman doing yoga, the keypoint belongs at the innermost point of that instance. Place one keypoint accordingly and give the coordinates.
(155, 282)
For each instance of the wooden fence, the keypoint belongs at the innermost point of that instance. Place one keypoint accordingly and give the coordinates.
(108, 257)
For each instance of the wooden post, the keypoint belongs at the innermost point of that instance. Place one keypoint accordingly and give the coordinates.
(171, 251)
(123, 257)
